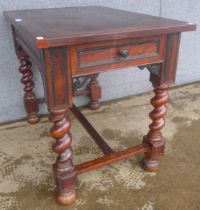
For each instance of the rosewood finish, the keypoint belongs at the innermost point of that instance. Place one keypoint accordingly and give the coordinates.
(71, 46)
(109, 55)
(30, 101)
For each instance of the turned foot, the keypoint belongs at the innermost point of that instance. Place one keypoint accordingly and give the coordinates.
(66, 198)
(33, 119)
(150, 165)
(94, 92)
(94, 105)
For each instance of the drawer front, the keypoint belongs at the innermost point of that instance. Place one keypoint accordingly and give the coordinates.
(115, 54)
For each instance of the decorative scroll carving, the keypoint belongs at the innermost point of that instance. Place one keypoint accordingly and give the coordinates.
(79, 82)
(152, 68)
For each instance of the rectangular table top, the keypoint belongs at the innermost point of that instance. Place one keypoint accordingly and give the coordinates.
(75, 25)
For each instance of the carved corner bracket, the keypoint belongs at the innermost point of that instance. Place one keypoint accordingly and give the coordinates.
(152, 68)
(79, 82)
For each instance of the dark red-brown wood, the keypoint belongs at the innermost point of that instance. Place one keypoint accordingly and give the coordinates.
(73, 42)
(30, 101)
(103, 56)
(154, 140)
(94, 92)
(73, 25)
(65, 177)
(109, 159)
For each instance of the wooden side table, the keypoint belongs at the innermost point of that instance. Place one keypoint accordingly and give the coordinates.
(71, 43)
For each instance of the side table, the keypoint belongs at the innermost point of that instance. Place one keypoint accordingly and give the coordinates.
(70, 45)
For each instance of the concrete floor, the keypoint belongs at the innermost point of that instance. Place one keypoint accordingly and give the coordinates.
(26, 181)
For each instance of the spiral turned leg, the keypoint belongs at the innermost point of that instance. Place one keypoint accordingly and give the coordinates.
(65, 177)
(30, 101)
(154, 140)
(94, 92)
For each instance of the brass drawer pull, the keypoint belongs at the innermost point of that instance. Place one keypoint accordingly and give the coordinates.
(123, 53)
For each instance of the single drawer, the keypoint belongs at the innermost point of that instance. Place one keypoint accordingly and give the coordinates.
(104, 56)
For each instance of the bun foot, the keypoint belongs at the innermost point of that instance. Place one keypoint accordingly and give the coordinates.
(66, 198)
(94, 105)
(33, 119)
(150, 165)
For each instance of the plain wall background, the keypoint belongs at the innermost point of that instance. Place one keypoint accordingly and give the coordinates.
(134, 81)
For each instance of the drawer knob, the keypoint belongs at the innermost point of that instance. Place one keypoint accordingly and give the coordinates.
(123, 53)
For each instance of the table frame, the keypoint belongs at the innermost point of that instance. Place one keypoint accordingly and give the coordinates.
(153, 143)
(65, 173)
(61, 83)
